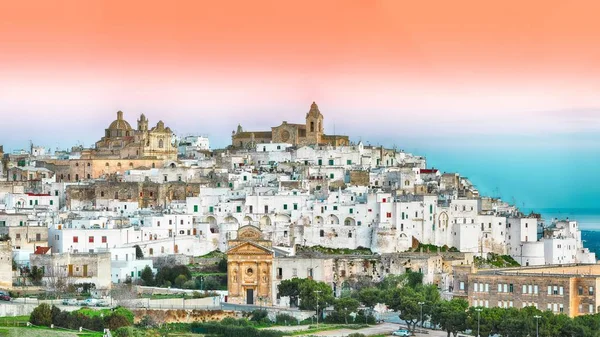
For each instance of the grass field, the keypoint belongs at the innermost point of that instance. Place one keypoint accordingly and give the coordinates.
(42, 332)
(14, 321)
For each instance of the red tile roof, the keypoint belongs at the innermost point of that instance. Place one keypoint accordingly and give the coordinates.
(429, 171)
(41, 250)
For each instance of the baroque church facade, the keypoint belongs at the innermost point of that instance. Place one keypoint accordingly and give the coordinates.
(122, 141)
(310, 133)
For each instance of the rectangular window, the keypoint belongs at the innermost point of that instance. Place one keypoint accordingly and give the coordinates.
(104, 239)
(284, 206)
(591, 290)
(499, 287)
(349, 162)
(591, 308)
(560, 290)
(322, 233)
(335, 208)
(580, 291)
(461, 286)
(524, 289)
(238, 209)
(535, 290)
(51, 202)
(487, 287)
(389, 214)
(351, 210)
(475, 287)
(331, 162)
(295, 207)
(549, 290)
(91, 239)
(506, 288)
(294, 272)
(331, 175)
(530, 289)
(195, 208)
(75, 239)
(211, 209)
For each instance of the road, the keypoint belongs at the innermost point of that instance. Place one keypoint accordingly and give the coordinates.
(379, 329)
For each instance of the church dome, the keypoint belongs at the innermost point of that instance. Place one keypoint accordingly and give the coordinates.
(119, 123)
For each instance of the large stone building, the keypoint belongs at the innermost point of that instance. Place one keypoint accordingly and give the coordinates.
(310, 133)
(249, 266)
(121, 149)
(571, 290)
(122, 141)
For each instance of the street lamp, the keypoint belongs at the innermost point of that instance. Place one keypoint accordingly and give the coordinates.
(317, 292)
(478, 319)
(537, 325)
(421, 304)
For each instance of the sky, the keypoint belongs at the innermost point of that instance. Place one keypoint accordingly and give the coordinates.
(504, 92)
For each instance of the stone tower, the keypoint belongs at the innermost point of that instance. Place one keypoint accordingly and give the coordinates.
(314, 124)
(143, 123)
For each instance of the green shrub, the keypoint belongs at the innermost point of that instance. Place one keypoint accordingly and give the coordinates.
(285, 319)
(259, 316)
(41, 315)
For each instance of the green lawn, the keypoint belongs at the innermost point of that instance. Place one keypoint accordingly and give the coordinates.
(14, 320)
(43, 332)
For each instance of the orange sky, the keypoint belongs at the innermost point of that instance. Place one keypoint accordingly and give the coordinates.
(444, 56)
(422, 37)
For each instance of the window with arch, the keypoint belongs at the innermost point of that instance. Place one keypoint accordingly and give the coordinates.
(106, 165)
(160, 143)
(312, 126)
(118, 164)
(131, 165)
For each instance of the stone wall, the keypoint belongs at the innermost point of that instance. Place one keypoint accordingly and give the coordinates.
(359, 178)
(147, 194)
(5, 265)
(183, 316)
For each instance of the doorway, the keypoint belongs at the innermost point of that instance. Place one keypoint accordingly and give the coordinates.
(249, 296)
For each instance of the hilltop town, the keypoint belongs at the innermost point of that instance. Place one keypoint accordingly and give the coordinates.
(292, 202)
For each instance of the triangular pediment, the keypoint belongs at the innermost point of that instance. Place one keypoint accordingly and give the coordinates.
(250, 248)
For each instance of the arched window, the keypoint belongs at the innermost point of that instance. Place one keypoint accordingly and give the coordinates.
(312, 126)
(106, 164)
(160, 143)
(118, 164)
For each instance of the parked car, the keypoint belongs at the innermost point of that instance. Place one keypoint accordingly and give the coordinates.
(70, 301)
(90, 302)
(102, 304)
(5, 297)
(401, 332)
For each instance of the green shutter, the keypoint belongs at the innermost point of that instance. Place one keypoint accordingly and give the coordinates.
(51, 202)
(430, 208)
(330, 175)
(238, 209)
(211, 209)
(335, 208)
(351, 211)
(320, 162)
(330, 161)
(195, 208)
(349, 162)
(295, 206)
(284, 206)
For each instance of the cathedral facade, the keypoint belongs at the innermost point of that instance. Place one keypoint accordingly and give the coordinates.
(310, 133)
(121, 141)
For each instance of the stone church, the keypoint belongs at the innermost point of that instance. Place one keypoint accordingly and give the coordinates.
(249, 267)
(122, 141)
(310, 133)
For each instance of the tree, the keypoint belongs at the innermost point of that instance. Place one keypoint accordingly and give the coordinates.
(180, 280)
(139, 254)
(123, 294)
(35, 275)
(222, 265)
(41, 315)
(369, 297)
(290, 288)
(308, 295)
(451, 315)
(147, 276)
(345, 306)
(405, 301)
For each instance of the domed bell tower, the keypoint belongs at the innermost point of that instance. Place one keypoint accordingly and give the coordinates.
(142, 123)
(314, 124)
